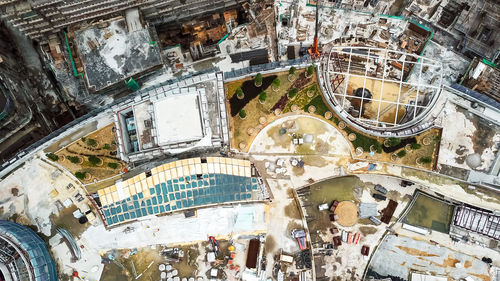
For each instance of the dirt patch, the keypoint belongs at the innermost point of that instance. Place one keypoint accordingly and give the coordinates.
(367, 230)
(66, 220)
(298, 171)
(481, 276)
(293, 225)
(292, 211)
(415, 252)
(467, 264)
(314, 160)
(250, 91)
(270, 244)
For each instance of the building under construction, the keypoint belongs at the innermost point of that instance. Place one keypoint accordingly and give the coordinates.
(39, 18)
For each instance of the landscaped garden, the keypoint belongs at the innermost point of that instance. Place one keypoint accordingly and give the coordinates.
(256, 101)
(92, 157)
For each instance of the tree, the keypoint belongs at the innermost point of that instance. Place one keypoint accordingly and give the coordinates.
(73, 159)
(392, 142)
(80, 175)
(276, 82)
(242, 114)
(426, 159)
(310, 70)
(401, 153)
(292, 70)
(107, 146)
(113, 165)
(52, 156)
(94, 160)
(258, 80)
(263, 96)
(293, 92)
(239, 93)
(415, 146)
(91, 142)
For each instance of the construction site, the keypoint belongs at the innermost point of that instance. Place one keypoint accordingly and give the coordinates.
(241, 140)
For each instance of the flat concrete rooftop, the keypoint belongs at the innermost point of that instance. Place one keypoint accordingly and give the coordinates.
(112, 53)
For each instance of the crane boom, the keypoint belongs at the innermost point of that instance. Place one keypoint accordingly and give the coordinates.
(313, 50)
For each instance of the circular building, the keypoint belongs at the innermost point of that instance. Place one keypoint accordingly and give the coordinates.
(24, 255)
(385, 92)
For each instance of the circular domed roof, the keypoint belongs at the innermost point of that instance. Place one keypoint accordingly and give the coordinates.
(473, 160)
(379, 89)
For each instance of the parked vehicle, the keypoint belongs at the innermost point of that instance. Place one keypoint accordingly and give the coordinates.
(380, 189)
(379, 196)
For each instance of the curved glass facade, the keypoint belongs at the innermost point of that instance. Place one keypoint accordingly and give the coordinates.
(33, 247)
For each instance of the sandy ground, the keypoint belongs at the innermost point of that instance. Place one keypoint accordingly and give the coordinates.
(34, 206)
(461, 137)
(397, 256)
(327, 140)
(176, 229)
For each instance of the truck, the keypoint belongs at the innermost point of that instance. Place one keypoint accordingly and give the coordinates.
(380, 189)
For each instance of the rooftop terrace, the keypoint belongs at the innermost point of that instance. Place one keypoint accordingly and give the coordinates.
(180, 185)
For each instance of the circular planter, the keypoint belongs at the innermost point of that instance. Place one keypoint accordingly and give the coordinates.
(386, 143)
(418, 162)
(250, 131)
(258, 85)
(426, 141)
(259, 127)
(359, 151)
(88, 176)
(275, 89)
(352, 136)
(310, 93)
(277, 111)
(307, 76)
(242, 118)
(328, 115)
(372, 148)
(240, 97)
(342, 125)
(262, 120)
(80, 159)
(101, 163)
(311, 109)
(394, 157)
(408, 148)
(261, 101)
(242, 145)
(291, 77)
(294, 108)
(62, 158)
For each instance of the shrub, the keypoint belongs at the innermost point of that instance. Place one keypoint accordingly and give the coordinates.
(437, 138)
(52, 156)
(393, 141)
(401, 153)
(84, 139)
(113, 165)
(293, 92)
(73, 159)
(239, 92)
(258, 79)
(107, 146)
(426, 159)
(292, 70)
(378, 147)
(242, 113)
(91, 142)
(94, 160)
(276, 82)
(262, 96)
(80, 175)
(310, 70)
(415, 145)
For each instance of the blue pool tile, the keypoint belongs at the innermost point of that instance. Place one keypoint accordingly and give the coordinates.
(176, 187)
(152, 190)
(150, 210)
(178, 204)
(140, 195)
(165, 198)
(160, 199)
(162, 208)
(170, 188)
(154, 201)
(156, 210)
(127, 216)
(171, 196)
(138, 213)
(109, 221)
(167, 208)
(177, 196)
